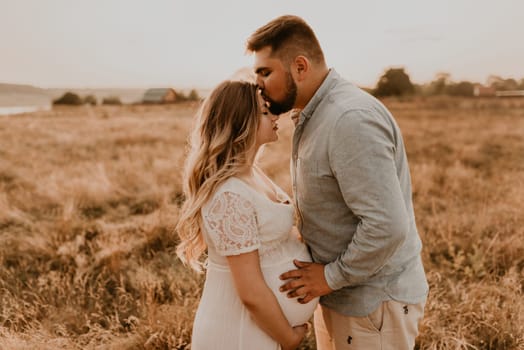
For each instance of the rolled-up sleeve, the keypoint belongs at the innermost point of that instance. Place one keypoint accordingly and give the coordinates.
(362, 158)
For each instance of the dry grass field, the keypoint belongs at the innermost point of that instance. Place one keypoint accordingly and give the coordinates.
(89, 198)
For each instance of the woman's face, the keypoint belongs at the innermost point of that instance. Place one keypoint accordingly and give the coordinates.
(267, 127)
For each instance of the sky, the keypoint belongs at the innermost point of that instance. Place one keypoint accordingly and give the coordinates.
(197, 44)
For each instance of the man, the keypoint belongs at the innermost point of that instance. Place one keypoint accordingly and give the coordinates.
(352, 189)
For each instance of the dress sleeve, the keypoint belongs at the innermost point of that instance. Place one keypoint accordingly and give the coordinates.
(232, 224)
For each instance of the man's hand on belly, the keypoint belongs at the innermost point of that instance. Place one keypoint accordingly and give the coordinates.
(307, 281)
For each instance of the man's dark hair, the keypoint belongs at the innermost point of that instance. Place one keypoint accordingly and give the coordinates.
(288, 36)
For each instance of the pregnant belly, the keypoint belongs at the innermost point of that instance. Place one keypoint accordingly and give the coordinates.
(295, 312)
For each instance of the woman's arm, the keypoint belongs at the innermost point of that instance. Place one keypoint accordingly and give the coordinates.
(261, 302)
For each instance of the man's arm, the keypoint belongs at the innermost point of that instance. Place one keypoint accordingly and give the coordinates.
(362, 157)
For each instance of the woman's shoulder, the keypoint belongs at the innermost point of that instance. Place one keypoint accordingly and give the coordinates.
(232, 187)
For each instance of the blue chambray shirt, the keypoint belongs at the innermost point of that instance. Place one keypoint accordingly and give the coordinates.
(352, 190)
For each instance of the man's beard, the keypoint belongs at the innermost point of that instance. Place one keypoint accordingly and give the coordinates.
(287, 104)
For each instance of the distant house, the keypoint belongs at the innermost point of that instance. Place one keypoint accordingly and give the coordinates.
(483, 91)
(159, 95)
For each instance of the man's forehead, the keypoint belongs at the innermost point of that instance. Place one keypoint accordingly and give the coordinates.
(264, 53)
(264, 59)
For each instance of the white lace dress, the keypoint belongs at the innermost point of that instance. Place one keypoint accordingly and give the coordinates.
(238, 219)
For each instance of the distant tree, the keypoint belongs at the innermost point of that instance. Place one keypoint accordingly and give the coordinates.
(418, 89)
(438, 86)
(193, 95)
(111, 100)
(464, 88)
(510, 84)
(180, 96)
(501, 84)
(495, 82)
(90, 99)
(69, 98)
(394, 82)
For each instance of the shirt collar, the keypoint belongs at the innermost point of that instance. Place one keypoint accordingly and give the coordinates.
(319, 95)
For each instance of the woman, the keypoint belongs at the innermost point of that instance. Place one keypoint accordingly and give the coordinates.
(245, 221)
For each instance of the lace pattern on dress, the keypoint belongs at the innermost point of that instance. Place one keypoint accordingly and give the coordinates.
(232, 222)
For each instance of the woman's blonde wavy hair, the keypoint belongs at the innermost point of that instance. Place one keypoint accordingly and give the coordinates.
(222, 144)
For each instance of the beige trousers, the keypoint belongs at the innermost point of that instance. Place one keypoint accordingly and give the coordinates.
(392, 326)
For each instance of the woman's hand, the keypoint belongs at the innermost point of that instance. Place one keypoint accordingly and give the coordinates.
(299, 332)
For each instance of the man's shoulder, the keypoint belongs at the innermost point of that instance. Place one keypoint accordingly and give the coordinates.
(348, 97)
(354, 112)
